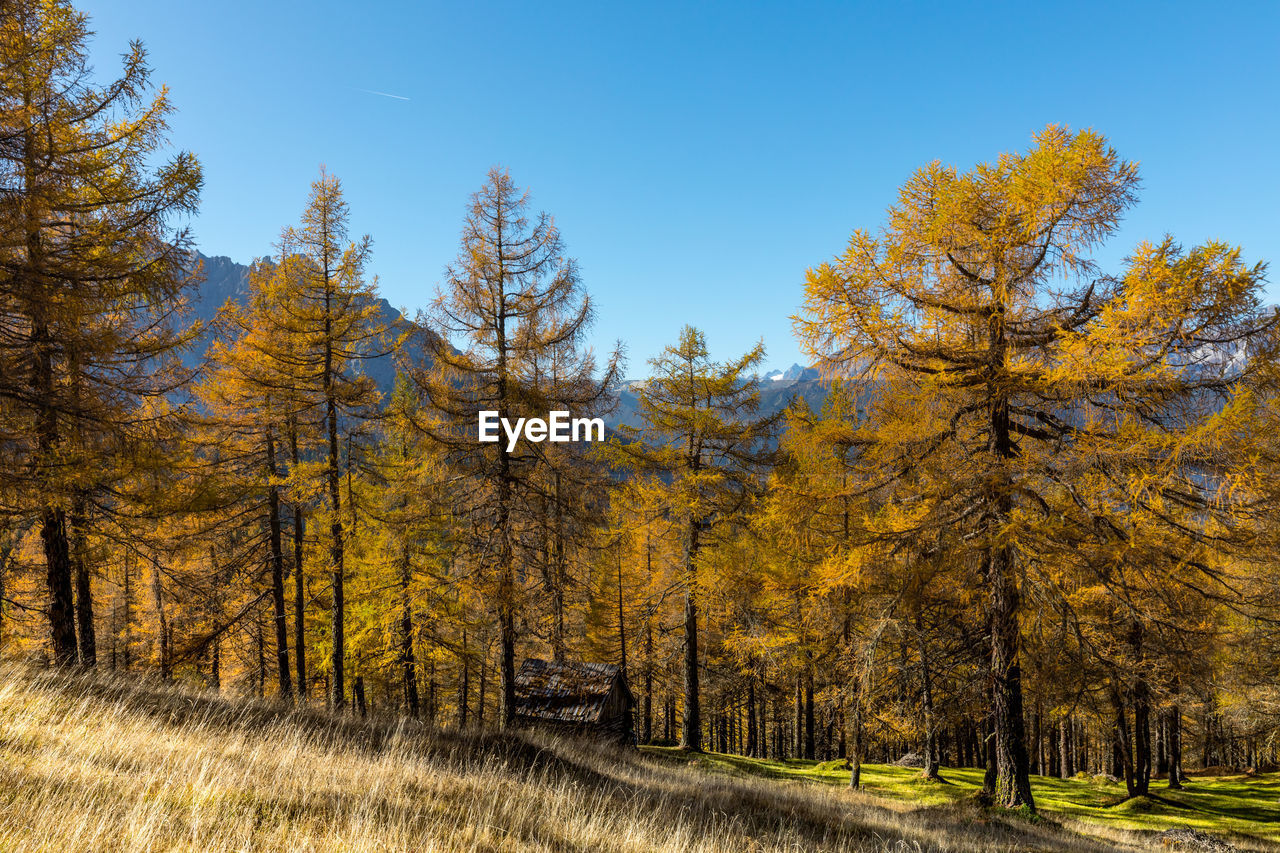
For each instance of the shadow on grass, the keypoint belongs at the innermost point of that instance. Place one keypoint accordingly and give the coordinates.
(622, 781)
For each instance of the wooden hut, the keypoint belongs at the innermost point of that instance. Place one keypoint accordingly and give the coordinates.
(589, 699)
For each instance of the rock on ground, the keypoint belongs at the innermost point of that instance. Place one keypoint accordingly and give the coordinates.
(1184, 838)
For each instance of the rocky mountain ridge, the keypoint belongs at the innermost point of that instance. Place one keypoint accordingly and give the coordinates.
(225, 279)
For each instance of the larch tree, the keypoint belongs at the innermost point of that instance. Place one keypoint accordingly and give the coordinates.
(648, 536)
(252, 397)
(1011, 359)
(702, 439)
(570, 486)
(512, 301)
(92, 277)
(329, 321)
(411, 513)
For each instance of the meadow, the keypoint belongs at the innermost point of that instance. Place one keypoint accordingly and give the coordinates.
(105, 764)
(1244, 808)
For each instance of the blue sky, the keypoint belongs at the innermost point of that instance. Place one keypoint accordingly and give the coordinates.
(698, 157)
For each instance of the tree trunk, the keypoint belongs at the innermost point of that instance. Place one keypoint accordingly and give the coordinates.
(431, 689)
(84, 589)
(1141, 719)
(1013, 780)
(1037, 738)
(558, 574)
(408, 665)
(842, 749)
(798, 738)
(762, 727)
(53, 522)
(1142, 737)
(215, 668)
(506, 592)
(622, 624)
(4, 563)
(57, 556)
(855, 754)
(691, 730)
(648, 680)
(926, 691)
(299, 590)
(162, 620)
(337, 661)
(358, 689)
(482, 690)
(1123, 742)
(277, 572)
(126, 630)
(464, 685)
(261, 642)
(990, 775)
(1162, 743)
(1206, 743)
(1176, 776)
(1064, 745)
(809, 751)
(508, 665)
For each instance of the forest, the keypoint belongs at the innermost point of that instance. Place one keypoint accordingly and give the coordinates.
(1031, 526)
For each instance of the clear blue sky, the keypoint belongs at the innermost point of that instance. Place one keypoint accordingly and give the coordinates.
(698, 157)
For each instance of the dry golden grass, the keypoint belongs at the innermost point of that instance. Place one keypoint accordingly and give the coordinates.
(92, 764)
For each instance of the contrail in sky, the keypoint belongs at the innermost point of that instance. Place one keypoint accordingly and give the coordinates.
(383, 94)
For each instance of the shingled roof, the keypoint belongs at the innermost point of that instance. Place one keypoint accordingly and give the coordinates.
(566, 692)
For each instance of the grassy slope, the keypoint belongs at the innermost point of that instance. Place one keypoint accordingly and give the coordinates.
(99, 765)
(1244, 808)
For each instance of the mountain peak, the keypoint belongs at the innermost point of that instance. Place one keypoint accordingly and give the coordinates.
(799, 372)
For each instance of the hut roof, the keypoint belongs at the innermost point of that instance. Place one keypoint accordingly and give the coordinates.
(566, 692)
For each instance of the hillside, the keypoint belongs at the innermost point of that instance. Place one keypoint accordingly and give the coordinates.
(97, 764)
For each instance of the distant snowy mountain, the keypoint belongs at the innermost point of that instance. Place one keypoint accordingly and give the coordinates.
(799, 373)
(794, 373)
(777, 389)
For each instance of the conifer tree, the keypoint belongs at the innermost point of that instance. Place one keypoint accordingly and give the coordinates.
(1035, 387)
(250, 397)
(414, 551)
(92, 275)
(509, 302)
(570, 487)
(702, 439)
(324, 321)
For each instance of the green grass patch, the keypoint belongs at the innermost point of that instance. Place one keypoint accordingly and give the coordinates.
(1241, 806)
